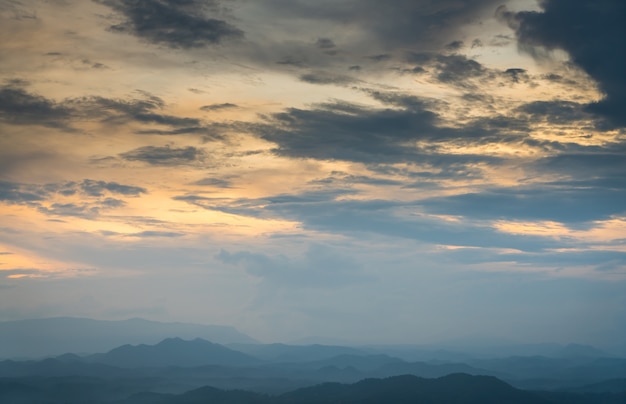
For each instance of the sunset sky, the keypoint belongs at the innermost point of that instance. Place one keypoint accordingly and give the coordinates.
(400, 171)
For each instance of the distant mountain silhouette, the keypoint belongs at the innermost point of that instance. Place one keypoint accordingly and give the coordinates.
(54, 336)
(581, 351)
(429, 370)
(456, 388)
(173, 352)
(295, 353)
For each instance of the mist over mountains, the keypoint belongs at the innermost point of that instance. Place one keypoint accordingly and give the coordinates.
(59, 335)
(194, 369)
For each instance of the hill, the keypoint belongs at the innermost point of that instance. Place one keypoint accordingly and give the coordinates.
(173, 352)
(58, 335)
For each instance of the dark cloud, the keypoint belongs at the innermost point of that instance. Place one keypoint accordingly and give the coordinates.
(214, 182)
(97, 188)
(325, 43)
(152, 233)
(380, 58)
(118, 111)
(555, 112)
(454, 46)
(450, 69)
(175, 23)
(396, 23)
(42, 197)
(85, 211)
(17, 106)
(593, 32)
(343, 131)
(327, 78)
(17, 193)
(346, 132)
(113, 203)
(516, 74)
(217, 107)
(554, 203)
(166, 156)
(339, 178)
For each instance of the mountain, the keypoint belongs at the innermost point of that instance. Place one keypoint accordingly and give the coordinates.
(58, 335)
(295, 353)
(580, 351)
(173, 352)
(455, 388)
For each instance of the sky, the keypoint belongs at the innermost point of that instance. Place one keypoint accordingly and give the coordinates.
(406, 171)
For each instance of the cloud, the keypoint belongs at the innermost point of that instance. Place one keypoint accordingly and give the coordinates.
(393, 24)
(152, 233)
(16, 193)
(455, 69)
(214, 182)
(327, 78)
(19, 107)
(97, 188)
(319, 267)
(175, 23)
(50, 199)
(325, 43)
(165, 156)
(119, 111)
(344, 131)
(325, 211)
(217, 107)
(554, 203)
(592, 32)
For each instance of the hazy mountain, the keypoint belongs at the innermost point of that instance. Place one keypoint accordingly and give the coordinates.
(295, 353)
(173, 352)
(55, 336)
(581, 351)
(453, 389)
(456, 388)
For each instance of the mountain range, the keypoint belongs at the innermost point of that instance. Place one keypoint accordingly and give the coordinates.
(193, 369)
(58, 335)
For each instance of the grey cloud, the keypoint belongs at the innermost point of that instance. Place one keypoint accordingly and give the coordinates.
(17, 106)
(217, 107)
(37, 195)
(324, 212)
(454, 45)
(17, 193)
(113, 203)
(119, 111)
(450, 69)
(593, 32)
(325, 43)
(86, 211)
(321, 77)
(167, 155)
(177, 24)
(319, 267)
(380, 58)
(395, 23)
(517, 74)
(97, 188)
(561, 204)
(344, 131)
(214, 182)
(152, 233)
(556, 112)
